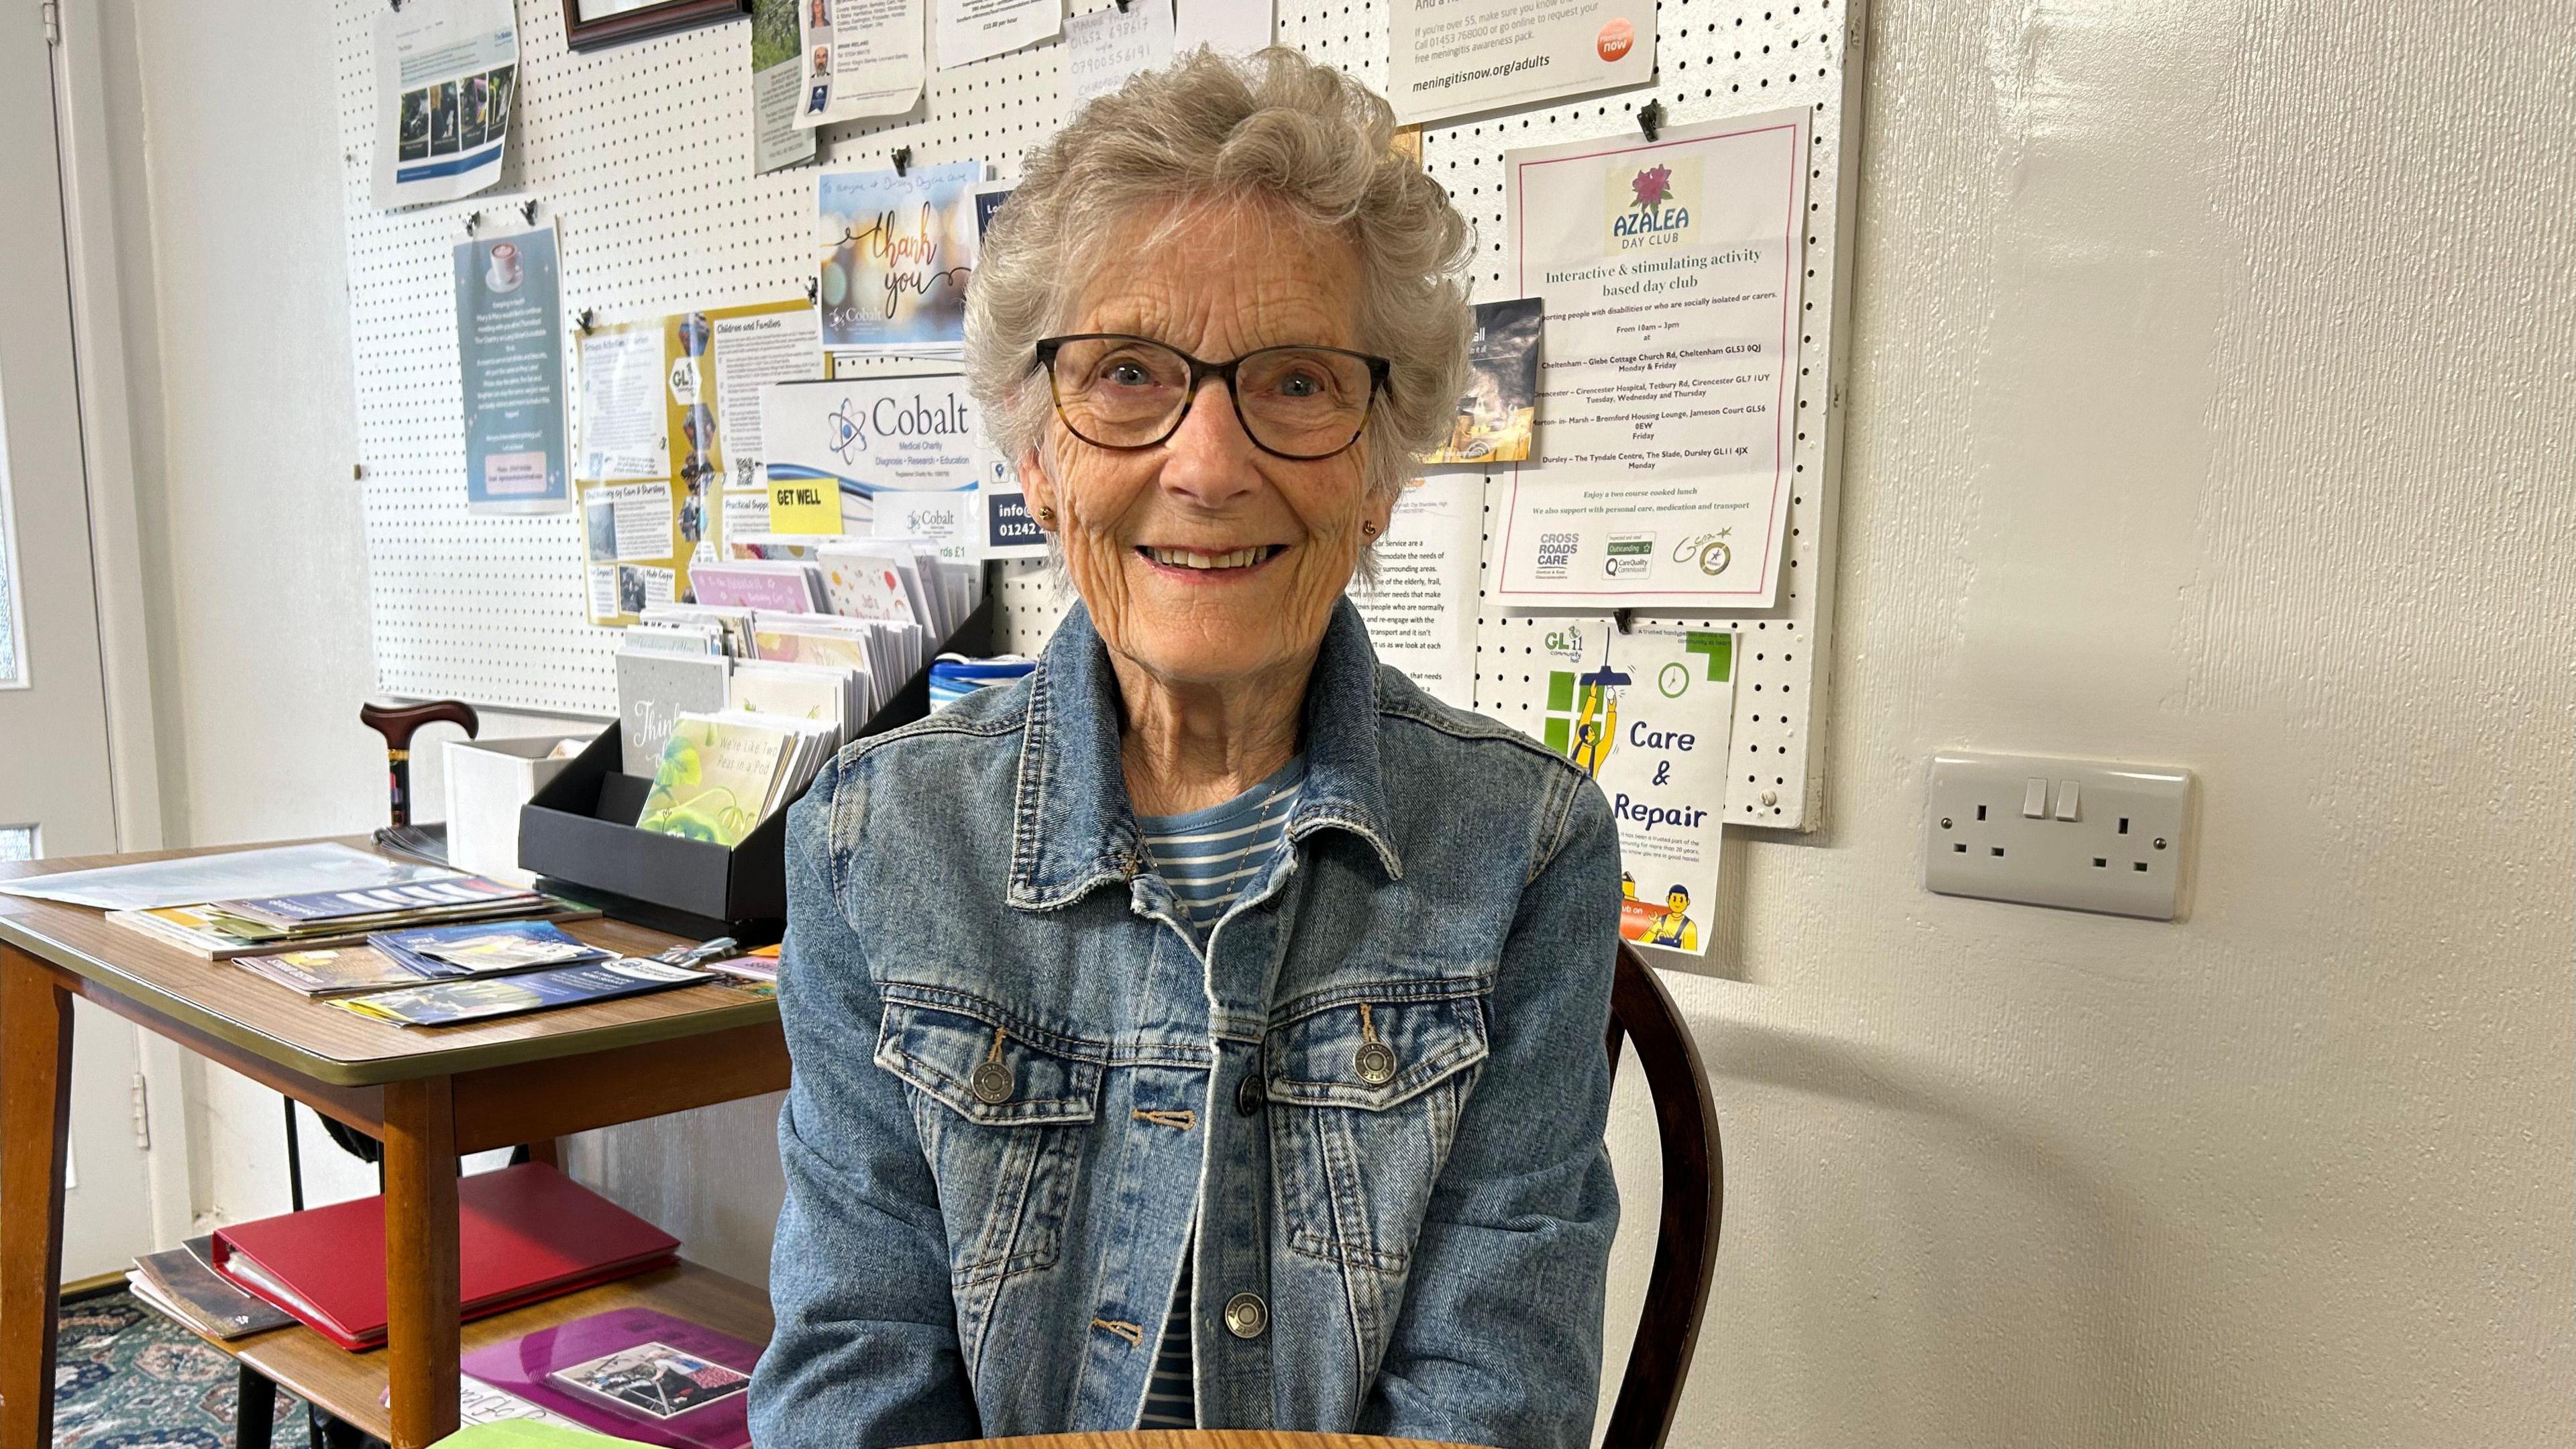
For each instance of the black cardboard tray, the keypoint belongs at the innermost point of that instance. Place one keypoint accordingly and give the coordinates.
(578, 834)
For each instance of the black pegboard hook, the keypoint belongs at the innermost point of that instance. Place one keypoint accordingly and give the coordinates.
(1650, 118)
(902, 159)
(812, 284)
(473, 223)
(583, 321)
(528, 211)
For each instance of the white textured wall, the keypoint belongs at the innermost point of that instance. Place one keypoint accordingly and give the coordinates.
(2210, 405)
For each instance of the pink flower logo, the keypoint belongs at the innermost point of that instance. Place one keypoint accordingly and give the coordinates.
(1653, 186)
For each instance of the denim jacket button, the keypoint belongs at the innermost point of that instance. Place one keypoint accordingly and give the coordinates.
(1247, 1095)
(993, 1084)
(1246, 1315)
(1375, 1063)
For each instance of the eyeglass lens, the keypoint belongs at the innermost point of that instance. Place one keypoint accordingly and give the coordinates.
(1128, 392)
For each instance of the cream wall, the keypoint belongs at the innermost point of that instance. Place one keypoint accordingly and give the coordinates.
(2209, 404)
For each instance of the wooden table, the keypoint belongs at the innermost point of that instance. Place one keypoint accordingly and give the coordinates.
(428, 1094)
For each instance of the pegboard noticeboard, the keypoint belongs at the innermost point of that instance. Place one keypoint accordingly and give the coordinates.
(640, 156)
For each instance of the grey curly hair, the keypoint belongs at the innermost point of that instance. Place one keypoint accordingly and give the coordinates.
(1275, 128)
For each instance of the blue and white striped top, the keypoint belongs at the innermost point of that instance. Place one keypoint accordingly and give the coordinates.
(1207, 857)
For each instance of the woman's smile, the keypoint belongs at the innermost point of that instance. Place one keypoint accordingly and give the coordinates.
(1225, 565)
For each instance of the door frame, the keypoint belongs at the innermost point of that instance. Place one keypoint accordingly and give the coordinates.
(85, 155)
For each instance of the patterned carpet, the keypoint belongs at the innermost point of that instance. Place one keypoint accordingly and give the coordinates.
(127, 1378)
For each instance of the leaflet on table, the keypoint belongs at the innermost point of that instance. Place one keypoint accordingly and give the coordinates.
(860, 58)
(1228, 27)
(973, 30)
(1421, 612)
(481, 1403)
(690, 379)
(1670, 275)
(509, 354)
(1102, 49)
(777, 86)
(894, 252)
(1649, 714)
(446, 1002)
(276, 870)
(1455, 57)
(833, 447)
(446, 77)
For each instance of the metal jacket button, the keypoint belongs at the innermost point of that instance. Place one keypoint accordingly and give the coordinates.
(993, 1084)
(1375, 1063)
(1247, 1095)
(1246, 1315)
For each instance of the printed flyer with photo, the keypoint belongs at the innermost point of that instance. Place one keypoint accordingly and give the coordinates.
(670, 412)
(1668, 396)
(509, 355)
(858, 58)
(777, 86)
(1649, 715)
(446, 82)
(1494, 415)
(1458, 57)
(894, 252)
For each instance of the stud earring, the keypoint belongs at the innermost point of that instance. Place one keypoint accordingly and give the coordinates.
(1046, 515)
(1369, 529)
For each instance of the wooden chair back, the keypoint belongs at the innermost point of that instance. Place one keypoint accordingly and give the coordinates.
(1694, 1191)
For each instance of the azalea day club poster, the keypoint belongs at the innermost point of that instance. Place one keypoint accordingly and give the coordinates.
(894, 251)
(1649, 715)
(1669, 272)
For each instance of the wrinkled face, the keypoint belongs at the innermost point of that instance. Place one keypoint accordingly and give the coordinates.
(1205, 560)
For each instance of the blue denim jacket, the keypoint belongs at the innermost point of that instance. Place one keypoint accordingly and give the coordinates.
(1018, 1084)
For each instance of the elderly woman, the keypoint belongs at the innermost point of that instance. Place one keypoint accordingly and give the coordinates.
(1208, 1028)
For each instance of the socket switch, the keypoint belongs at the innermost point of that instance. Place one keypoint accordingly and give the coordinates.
(2084, 835)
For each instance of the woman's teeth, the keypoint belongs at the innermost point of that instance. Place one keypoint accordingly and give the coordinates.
(1192, 559)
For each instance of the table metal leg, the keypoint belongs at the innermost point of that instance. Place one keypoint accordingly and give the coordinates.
(254, 1410)
(420, 1259)
(35, 1126)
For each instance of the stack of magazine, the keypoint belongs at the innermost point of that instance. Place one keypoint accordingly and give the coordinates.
(221, 930)
(184, 1287)
(443, 975)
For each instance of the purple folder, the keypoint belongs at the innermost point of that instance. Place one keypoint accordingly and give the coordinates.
(633, 1373)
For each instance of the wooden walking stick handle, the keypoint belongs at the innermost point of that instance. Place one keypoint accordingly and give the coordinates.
(397, 723)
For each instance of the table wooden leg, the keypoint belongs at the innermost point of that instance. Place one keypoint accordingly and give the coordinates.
(420, 1259)
(35, 1126)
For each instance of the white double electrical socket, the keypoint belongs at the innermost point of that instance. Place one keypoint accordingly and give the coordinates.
(2085, 835)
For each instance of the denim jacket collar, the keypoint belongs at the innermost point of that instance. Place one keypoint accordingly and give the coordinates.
(1072, 827)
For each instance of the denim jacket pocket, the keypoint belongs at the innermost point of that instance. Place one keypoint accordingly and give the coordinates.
(1365, 1098)
(1000, 1119)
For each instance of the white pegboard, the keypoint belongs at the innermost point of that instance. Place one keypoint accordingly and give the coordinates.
(640, 155)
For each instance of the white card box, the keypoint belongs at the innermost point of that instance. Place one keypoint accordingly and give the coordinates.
(487, 782)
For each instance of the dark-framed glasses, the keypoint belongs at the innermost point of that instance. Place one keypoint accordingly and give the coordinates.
(1301, 403)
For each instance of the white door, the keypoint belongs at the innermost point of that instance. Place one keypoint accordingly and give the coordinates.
(54, 784)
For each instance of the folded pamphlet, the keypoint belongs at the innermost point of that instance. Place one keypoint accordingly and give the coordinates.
(485, 949)
(446, 1003)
